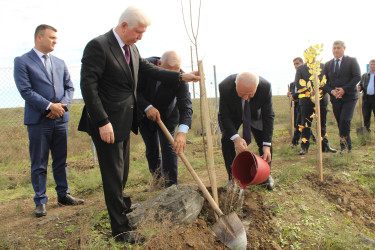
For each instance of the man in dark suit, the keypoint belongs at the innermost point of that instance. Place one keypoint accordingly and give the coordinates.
(237, 93)
(174, 106)
(342, 74)
(292, 93)
(367, 85)
(44, 83)
(307, 109)
(109, 76)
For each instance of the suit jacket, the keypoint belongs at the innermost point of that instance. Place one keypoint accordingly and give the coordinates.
(348, 77)
(172, 100)
(303, 73)
(364, 84)
(108, 86)
(38, 90)
(292, 90)
(230, 110)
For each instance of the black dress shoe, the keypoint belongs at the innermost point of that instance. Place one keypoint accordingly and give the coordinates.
(270, 183)
(303, 151)
(327, 148)
(69, 200)
(40, 210)
(129, 237)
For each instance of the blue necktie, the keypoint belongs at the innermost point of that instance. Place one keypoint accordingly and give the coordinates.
(337, 66)
(47, 65)
(246, 127)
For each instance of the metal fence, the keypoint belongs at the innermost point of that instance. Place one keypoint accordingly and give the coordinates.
(13, 133)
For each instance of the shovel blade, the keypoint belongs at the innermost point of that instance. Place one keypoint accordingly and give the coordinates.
(361, 131)
(230, 230)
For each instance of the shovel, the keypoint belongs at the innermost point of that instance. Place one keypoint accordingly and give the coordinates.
(229, 229)
(361, 130)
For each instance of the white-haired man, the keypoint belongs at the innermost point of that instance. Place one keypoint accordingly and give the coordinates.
(242, 96)
(109, 75)
(172, 103)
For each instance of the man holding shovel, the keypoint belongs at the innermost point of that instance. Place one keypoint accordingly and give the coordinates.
(246, 99)
(367, 85)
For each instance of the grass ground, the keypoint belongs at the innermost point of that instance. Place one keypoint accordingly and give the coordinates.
(301, 213)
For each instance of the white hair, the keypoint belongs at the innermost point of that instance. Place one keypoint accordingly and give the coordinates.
(133, 16)
(247, 79)
(171, 58)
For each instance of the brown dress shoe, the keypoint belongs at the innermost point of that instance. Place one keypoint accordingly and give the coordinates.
(69, 200)
(40, 210)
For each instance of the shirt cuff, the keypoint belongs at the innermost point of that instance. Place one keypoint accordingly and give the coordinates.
(183, 128)
(268, 144)
(234, 136)
(148, 107)
(49, 105)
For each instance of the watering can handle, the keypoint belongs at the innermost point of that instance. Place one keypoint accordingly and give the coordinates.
(201, 186)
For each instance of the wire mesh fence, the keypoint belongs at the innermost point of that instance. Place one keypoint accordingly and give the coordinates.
(14, 140)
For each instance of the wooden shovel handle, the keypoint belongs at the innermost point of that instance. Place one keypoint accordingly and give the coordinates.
(360, 108)
(201, 186)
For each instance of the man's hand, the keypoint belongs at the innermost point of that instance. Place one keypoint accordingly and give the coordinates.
(57, 110)
(359, 87)
(106, 133)
(179, 144)
(334, 92)
(191, 77)
(289, 94)
(240, 145)
(153, 114)
(266, 154)
(340, 92)
(51, 116)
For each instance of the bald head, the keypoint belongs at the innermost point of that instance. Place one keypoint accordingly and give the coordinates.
(170, 60)
(246, 85)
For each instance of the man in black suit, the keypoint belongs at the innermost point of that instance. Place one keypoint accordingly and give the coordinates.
(307, 109)
(109, 76)
(342, 74)
(173, 105)
(293, 94)
(237, 93)
(367, 85)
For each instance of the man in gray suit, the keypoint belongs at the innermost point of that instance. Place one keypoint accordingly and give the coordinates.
(342, 74)
(44, 82)
(109, 75)
(367, 85)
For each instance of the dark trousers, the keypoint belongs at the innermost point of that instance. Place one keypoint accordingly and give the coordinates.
(343, 111)
(160, 166)
(297, 121)
(43, 137)
(368, 105)
(229, 151)
(114, 168)
(306, 112)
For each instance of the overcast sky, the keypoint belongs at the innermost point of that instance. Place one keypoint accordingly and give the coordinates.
(238, 35)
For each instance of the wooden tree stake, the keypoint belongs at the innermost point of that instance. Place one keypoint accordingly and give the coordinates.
(206, 117)
(318, 127)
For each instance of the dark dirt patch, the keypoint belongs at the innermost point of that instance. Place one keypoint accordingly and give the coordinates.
(349, 198)
(195, 236)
